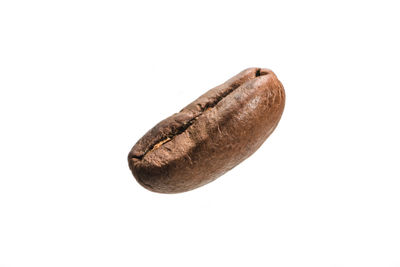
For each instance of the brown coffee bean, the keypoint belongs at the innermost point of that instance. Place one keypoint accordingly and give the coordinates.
(211, 135)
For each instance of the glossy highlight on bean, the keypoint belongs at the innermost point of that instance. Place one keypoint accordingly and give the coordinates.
(211, 135)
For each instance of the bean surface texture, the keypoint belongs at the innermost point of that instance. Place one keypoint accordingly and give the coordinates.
(211, 135)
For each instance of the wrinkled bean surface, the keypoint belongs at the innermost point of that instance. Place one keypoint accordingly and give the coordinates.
(211, 135)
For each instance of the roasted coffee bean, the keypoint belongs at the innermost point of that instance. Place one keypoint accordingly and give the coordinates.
(211, 135)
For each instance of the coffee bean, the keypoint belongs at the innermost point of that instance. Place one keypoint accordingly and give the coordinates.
(211, 135)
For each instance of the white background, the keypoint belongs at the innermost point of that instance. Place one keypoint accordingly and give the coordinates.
(82, 81)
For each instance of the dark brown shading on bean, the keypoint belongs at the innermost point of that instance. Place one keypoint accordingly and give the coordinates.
(211, 135)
